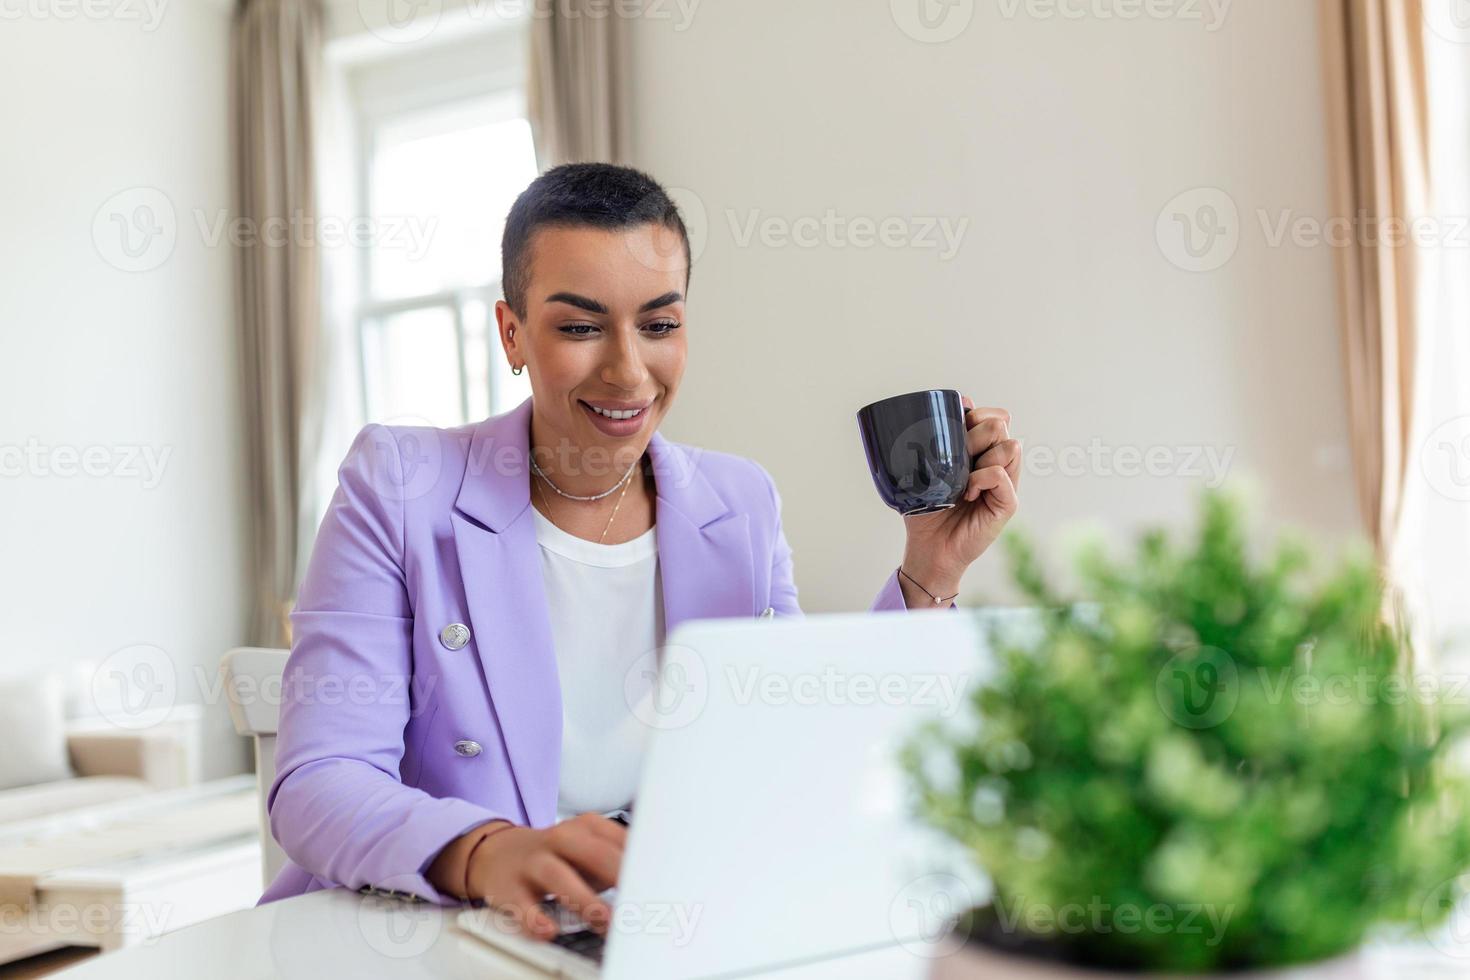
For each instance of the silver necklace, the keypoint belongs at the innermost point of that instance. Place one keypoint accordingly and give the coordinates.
(572, 496)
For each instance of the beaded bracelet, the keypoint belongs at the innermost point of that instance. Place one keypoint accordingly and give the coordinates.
(937, 601)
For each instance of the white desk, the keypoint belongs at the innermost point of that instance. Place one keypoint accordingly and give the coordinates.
(340, 933)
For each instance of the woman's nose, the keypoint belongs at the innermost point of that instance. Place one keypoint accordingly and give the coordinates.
(624, 367)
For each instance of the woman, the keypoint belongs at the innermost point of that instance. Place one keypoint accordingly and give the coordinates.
(461, 706)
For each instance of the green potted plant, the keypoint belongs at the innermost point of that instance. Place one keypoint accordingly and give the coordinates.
(1217, 764)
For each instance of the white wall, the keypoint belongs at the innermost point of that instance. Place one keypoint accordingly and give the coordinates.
(94, 356)
(1060, 141)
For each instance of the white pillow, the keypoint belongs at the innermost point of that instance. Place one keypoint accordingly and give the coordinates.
(32, 731)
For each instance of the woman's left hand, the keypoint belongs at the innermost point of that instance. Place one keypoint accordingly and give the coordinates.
(941, 546)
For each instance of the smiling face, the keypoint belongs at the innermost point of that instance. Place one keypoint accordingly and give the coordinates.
(603, 328)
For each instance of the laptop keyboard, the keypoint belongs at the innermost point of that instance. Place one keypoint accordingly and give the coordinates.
(583, 942)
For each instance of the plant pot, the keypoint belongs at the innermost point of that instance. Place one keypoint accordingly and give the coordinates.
(974, 961)
(987, 951)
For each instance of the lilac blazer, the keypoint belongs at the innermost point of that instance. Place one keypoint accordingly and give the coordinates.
(432, 527)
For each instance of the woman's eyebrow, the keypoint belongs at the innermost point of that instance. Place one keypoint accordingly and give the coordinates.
(593, 306)
(667, 299)
(580, 302)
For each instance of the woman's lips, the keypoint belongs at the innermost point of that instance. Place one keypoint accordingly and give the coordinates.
(618, 428)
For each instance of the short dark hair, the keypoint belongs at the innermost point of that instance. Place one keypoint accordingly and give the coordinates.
(597, 195)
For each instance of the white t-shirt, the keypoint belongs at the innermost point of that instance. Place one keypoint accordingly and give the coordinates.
(607, 615)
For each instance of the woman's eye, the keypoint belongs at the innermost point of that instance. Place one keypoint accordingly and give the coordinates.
(658, 328)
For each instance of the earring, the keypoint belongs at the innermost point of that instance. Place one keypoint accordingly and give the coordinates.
(517, 370)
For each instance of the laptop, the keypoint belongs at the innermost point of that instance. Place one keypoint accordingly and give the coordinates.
(772, 833)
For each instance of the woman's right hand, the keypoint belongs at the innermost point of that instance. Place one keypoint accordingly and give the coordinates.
(513, 870)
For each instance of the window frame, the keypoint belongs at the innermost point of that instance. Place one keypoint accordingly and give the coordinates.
(487, 67)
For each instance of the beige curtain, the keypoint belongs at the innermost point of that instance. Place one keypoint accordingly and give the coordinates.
(577, 90)
(275, 77)
(1377, 114)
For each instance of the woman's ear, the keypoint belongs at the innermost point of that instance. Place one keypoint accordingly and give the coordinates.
(509, 324)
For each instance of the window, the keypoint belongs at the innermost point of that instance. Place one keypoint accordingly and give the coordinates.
(1436, 528)
(442, 149)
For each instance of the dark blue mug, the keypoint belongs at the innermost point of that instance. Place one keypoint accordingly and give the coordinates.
(916, 449)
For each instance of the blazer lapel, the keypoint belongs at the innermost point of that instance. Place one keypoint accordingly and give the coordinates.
(704, 548)
(705, 563)
(499, 562)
